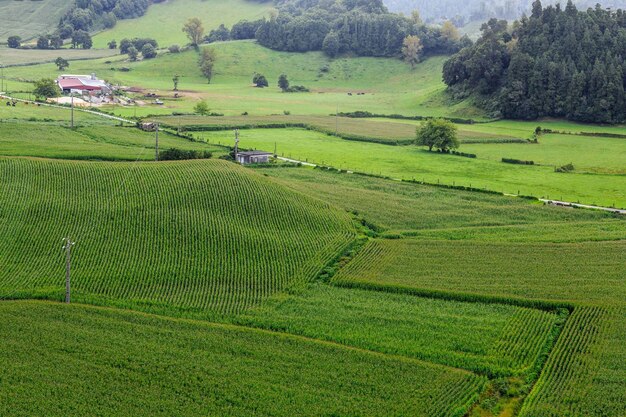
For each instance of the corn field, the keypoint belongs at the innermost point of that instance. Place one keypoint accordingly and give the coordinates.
(199, 237)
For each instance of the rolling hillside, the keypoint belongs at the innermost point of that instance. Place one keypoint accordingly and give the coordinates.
(29, 19)
(203, 237)
(164, 21)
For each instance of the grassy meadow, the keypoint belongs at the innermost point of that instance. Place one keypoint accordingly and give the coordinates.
(164, 21)
(11, 57)
(106, 362)
(413, 163)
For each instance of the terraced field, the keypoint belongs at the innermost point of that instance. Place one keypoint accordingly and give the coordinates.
(202, 237)
(106, 362)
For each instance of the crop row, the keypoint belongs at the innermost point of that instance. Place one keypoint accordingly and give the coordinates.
(198, 236)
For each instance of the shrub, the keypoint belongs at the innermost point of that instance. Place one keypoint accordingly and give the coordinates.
(175, 154)
(565, 168)
(517, 161)
(174, 49)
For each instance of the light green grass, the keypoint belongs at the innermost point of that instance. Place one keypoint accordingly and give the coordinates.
(89, 361)
(31, 112)
(390, 86)
(491, 339)
(10, 56)
(90, 142)
(411, 162)
(160, 236)
(588, 154)
(395, 207)
(164, 21)
(29, 19)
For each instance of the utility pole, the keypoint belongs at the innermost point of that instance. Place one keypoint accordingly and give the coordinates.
(156, 138)
(337, 121)
(72, 122)
(68, 265)
(236, 143)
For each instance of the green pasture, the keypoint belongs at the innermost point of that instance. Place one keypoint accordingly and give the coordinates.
(10, 57)
(388, 85)
(486, 338)
(396, 207)
(414, 163)
(164, 21)
(98, 142)
(105, 362)
(24, 113)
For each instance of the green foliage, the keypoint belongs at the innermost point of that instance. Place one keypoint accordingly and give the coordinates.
(545, 70)
(148, 51)
(133, 53)
(194, 30)
(488, 339)
(283, 82)
(259, 80)
(46, 88)
(126, 259)
(438, 133)
(146, 362)
(202, 108)
(175, 154)
(81, 38)
(14, 41)
(331, 45)
(565, 168)
(207, 62)
(61, 63)
(221, 34)
(112, 44)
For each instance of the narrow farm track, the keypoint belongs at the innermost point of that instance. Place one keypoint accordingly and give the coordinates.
(196, 237)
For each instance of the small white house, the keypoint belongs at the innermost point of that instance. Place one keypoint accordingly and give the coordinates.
(253, 157)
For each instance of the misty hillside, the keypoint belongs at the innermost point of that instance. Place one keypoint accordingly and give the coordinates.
(462, 12)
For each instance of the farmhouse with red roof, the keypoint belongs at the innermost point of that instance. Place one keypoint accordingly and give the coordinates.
(83, 84)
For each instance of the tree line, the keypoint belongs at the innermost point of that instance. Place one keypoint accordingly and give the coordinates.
(360, 27)
(557, 62)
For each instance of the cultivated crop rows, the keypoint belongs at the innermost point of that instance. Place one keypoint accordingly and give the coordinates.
(568, 373)
(197, 236)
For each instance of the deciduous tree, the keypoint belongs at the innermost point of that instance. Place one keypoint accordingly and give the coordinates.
(438, 133)
(194, 30)
(412, 50)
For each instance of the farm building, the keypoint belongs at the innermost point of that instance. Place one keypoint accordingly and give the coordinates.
(253, 157)
(84, 84)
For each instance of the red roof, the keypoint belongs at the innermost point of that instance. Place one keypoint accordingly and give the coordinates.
(77, 84)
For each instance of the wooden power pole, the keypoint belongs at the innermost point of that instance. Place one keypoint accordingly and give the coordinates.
(156, 139)
(68, 266)
(236, 143)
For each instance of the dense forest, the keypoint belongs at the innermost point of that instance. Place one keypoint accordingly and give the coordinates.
(463, 12)
(91, 14)
(555, 63)
(361, 27)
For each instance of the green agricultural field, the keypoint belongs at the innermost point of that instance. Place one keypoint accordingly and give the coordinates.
(9, 57)
(33, 113)
(490, 339)
(397, 207)
(350, 128)
(29, 19)
(410, 162)
(164, 21)
(389, 85)
(160, 236)
(103, 362)
(100, 142)
(563, 272)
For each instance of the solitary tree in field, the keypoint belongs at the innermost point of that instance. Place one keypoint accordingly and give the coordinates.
(259, 80)
(175, 80)
(283, 82)
(112, 44)
(14, 42)
(412, 50)
(202, 108)
(194, 30)
(438, 133)
(206, 62)
(46, 88)
(61, 63)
